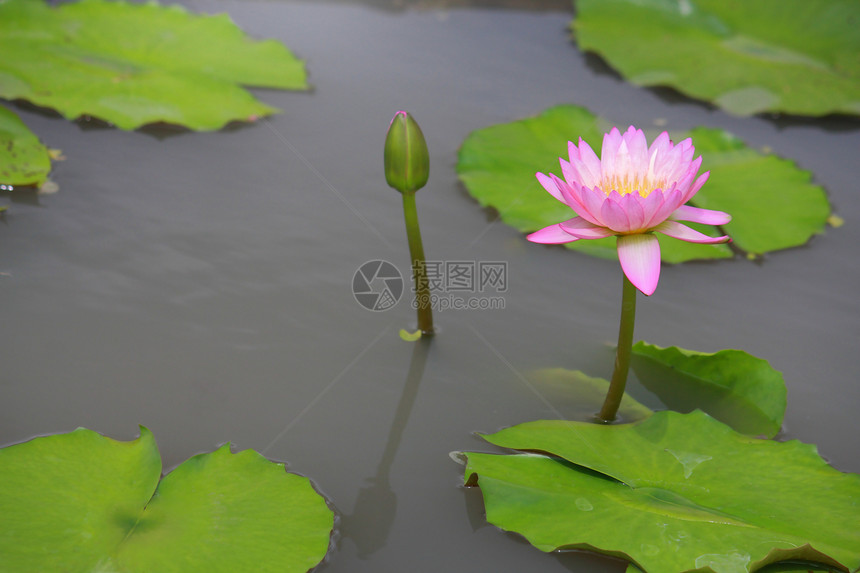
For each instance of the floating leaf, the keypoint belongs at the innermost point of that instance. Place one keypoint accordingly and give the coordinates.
(134, 64)
(793, 56)
(409, 336)
(773, 204)
(83, 502)
(782, 567)
(732, 386)
(675, 492)
(23, 158)
(574, 390)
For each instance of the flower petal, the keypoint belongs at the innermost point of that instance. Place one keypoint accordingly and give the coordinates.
(590, 170)
(613, 214)
(552, 235)
(611, 144)
(671, 201)
(592, 200)
(638, 146)
(696, 186)
(697, 215)
(582, 229)
(573, 199)
(550, 186)
(640, 260)
(635, 213)
(685, 233)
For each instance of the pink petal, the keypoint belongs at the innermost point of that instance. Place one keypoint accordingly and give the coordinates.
(635, 212)
(640, 260)
(568, 171)
(671, 201)
(592, 200)
(685, 233)
(650, 205)
(591, 170)
(696, 186)
(638, 146)
(660, 145)
(550, 186)
(573, 199)
(611, 144)
(582, 229)
(685, 179)
(552, 235)
(696, 215)
(613, 214)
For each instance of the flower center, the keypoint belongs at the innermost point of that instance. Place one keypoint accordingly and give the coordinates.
(629, 176)
(629, 183)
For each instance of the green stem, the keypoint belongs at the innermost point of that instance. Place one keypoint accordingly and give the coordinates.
(419, 265)
(622, 353)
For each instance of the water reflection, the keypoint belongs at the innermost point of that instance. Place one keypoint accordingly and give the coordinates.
(533, 5)
(376, 505)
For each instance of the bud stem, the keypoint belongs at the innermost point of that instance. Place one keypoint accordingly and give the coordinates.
(622, 353)
(419, 264)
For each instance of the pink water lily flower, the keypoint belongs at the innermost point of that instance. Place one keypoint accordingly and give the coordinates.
(631, 192)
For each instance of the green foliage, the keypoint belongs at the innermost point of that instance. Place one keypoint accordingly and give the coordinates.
(674, 492)
(83, 502)
(795, 56)
(574, 391)
(773, 204)
(134, 64)
(23, 158)
(732, 386)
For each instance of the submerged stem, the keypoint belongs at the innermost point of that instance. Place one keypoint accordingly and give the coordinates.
(419, 265)
(622, 353)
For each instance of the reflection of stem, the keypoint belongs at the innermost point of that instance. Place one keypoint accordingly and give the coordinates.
(419, 265)
(376, 505)
(622, 355)
(404, 407)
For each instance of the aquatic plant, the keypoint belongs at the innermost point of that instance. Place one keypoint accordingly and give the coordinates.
(407, 168)
(631, 192)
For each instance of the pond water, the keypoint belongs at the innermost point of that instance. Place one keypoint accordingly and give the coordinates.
(200, 283)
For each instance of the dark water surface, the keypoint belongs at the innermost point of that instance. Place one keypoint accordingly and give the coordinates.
(200, 284)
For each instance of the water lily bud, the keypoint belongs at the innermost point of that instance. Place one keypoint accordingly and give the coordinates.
(407, 163)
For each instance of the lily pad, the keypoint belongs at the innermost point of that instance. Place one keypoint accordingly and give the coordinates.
(23, 158)
(674, 492)
(732, 386)
(792, 56)
(574, 392)
(783, 567)
(773, 204)
(84, 502)
(134, 64)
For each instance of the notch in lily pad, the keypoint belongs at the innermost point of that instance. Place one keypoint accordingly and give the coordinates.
(99, 504)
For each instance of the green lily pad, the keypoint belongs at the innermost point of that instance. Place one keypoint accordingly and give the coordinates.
(83, 502)
(674, 492)
(732, 386)
(773, 204)
(783, 567)
(792, 56)
(572, 391)
(23, 158)
(134, 64)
